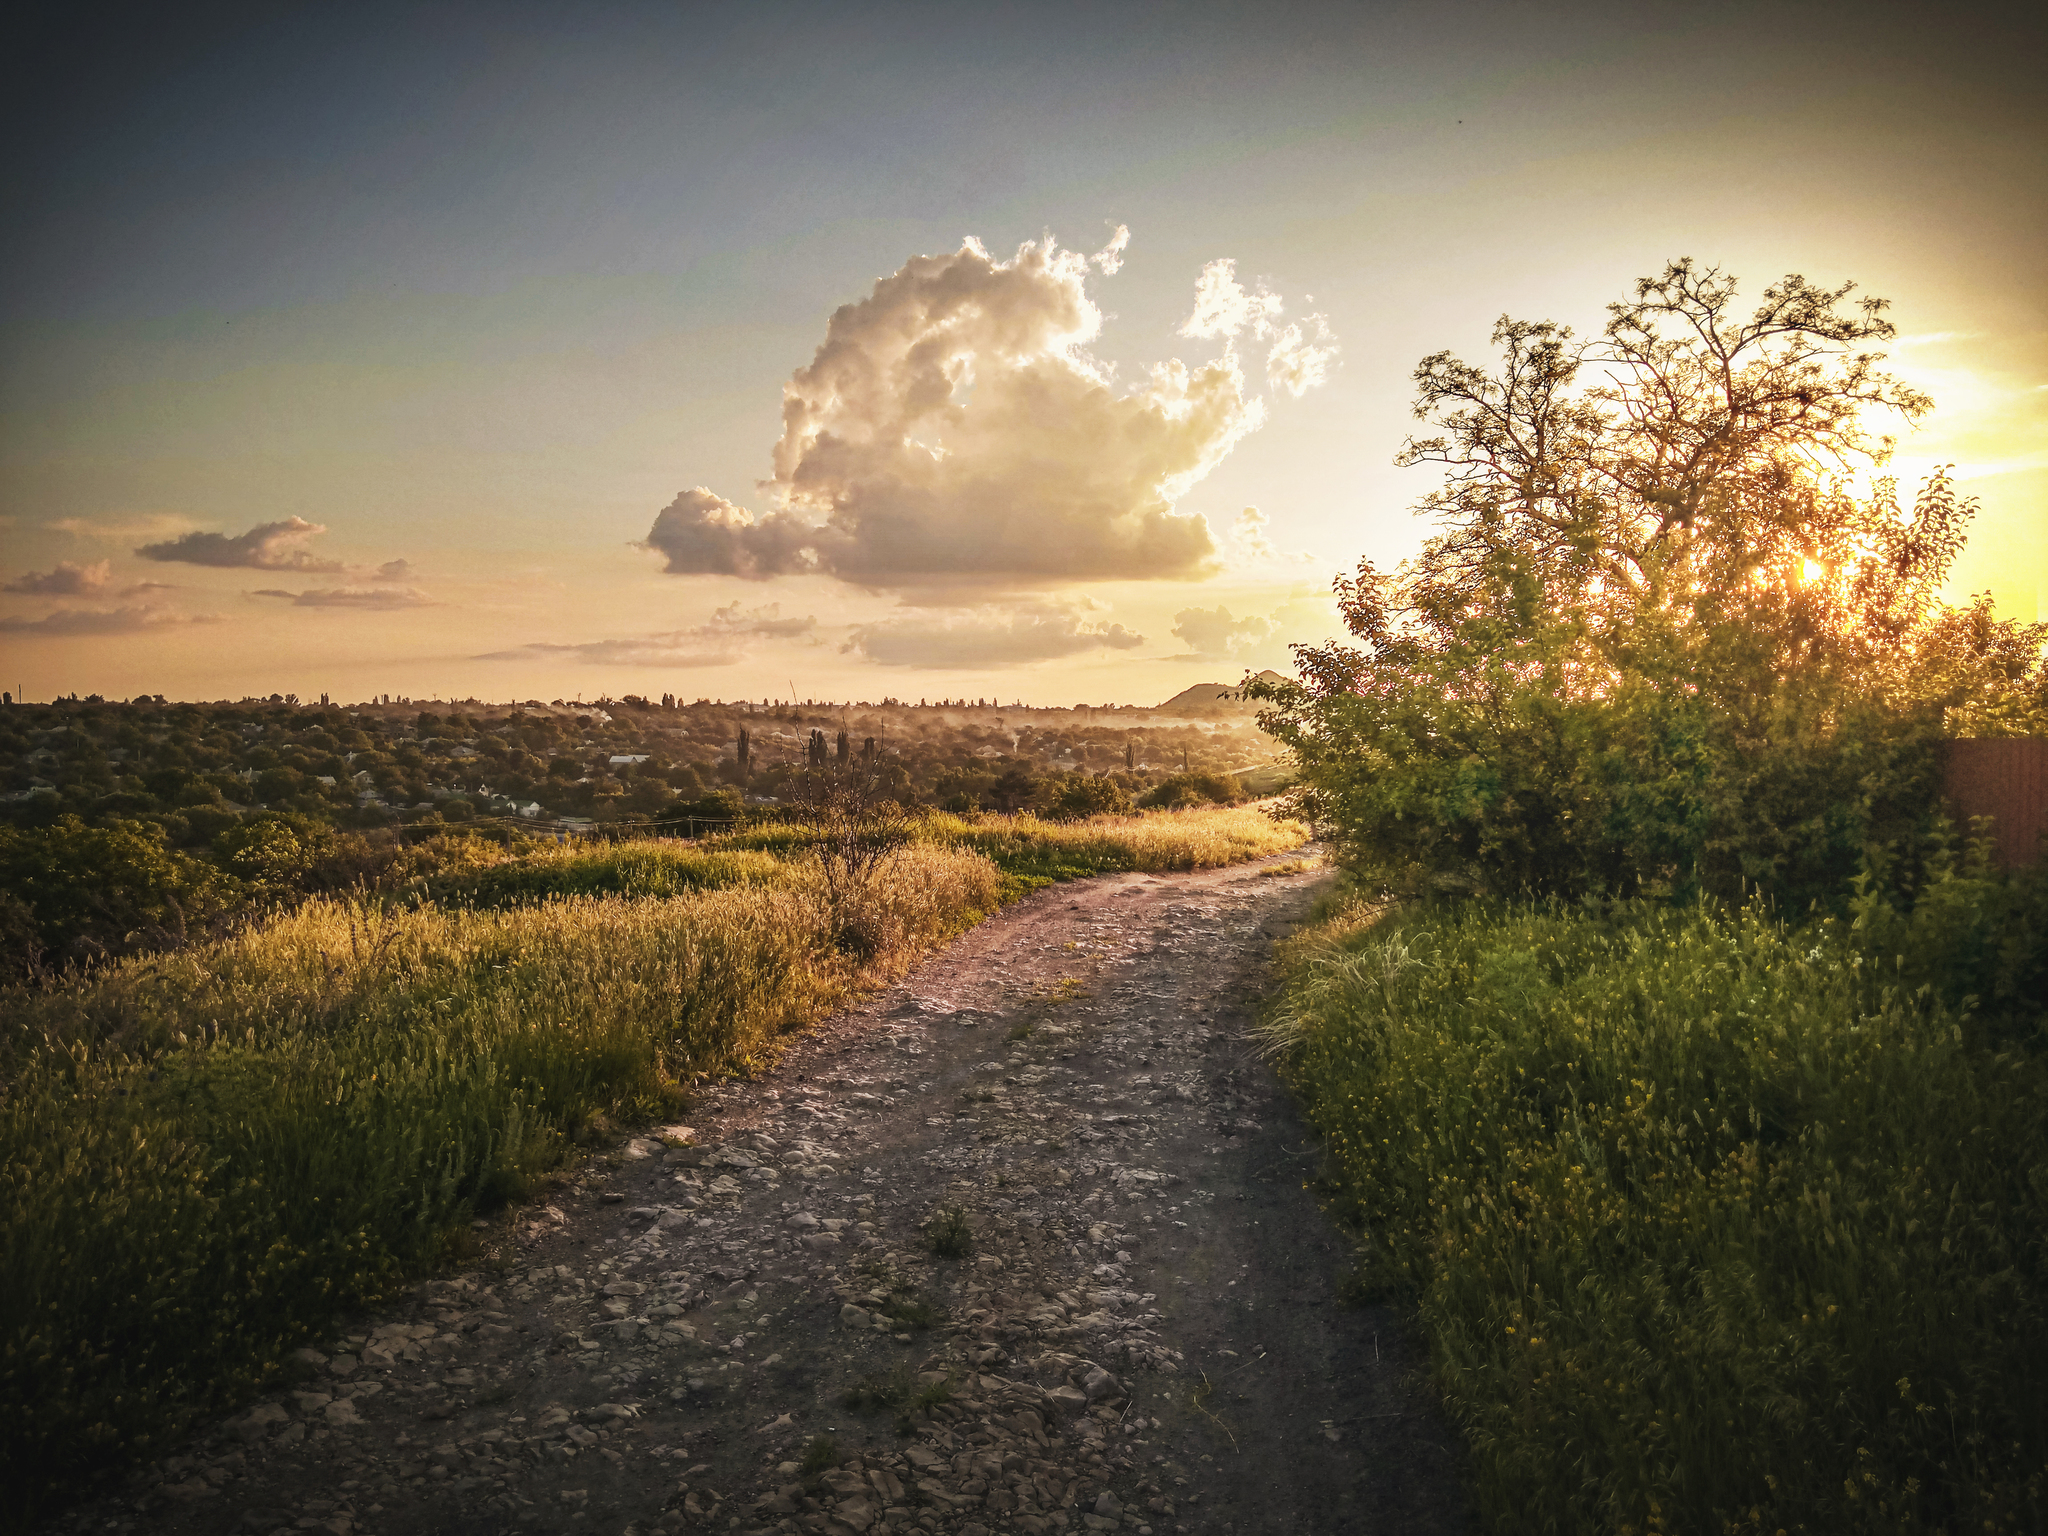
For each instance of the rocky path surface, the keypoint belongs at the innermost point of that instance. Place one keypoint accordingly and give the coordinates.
(1022, 1245)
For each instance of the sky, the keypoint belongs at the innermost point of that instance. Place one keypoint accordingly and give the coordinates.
(1047, 352)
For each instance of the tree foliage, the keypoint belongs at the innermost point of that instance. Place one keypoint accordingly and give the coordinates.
(1660, 641)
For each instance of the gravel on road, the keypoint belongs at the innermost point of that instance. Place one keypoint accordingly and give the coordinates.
(1027, 1243)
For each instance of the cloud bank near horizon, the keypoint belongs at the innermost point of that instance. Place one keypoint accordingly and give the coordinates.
(953, 430)
(104, 621)
(989, 637)
(721, 641)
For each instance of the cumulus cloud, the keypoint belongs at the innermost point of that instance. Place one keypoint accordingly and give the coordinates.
(954, 430)
(380, 598)
(394, 570)
(266, 547)
(105, 621)
(718, 642)
(67, 580)
(988, 637)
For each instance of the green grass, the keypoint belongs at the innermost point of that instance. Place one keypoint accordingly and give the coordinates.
(643, 869)
(1712, 1226)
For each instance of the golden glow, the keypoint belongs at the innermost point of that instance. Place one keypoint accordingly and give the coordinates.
(1811, 569)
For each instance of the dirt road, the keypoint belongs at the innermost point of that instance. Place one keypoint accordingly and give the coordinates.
(1129, 1324)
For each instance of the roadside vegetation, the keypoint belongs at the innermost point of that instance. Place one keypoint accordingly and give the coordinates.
(208, 1150)
(1679, 1062)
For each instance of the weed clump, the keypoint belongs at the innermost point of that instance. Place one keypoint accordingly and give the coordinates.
(948, 1235)
(821, 1454)
(881, 1390)
(912, 1311)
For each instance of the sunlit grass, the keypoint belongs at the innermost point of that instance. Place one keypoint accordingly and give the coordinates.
(1711, 1226)
(205, 1154)
(1033, 852)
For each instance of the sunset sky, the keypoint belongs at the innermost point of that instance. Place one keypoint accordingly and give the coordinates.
(515, 351)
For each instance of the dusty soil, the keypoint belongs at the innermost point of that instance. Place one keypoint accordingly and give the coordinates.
(1132, 1324)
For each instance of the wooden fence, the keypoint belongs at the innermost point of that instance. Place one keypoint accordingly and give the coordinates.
(2005, 778)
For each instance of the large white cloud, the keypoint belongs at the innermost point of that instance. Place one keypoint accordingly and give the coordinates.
(954, 430)
(1008, 636)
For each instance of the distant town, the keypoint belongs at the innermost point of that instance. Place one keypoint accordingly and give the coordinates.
(197, 769)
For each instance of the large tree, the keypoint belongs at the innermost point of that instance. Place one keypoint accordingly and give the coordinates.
(1660, 640)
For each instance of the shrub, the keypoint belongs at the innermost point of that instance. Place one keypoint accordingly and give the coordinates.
(1189, 789)
(1075, 797)
(107, 889)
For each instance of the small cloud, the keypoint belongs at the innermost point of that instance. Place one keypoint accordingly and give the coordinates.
(154, 526)
(1248, 533)
(67, 580)
(105, 621)
(266, 547)
(987, 637)
(144, 588)
(1111, 257)
(394, 570)
(381, 598)
(1223, 307)
(766, 620)
(1301, 352)
(1934, 338)
(1297, 361)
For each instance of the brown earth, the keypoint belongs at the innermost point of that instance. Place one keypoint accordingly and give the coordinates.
(754, 1333)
